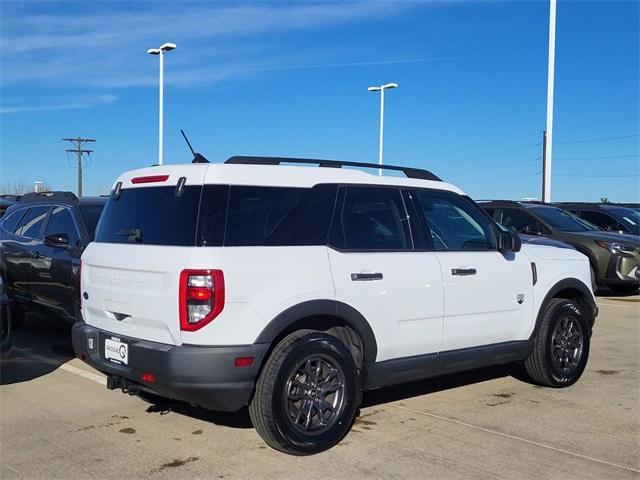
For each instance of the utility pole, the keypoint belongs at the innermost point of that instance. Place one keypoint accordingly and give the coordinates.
(79, 151)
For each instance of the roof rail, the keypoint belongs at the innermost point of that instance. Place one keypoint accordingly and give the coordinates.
(408, 171)
(48, 196)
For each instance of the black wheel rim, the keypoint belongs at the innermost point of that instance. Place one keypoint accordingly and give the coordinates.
(567, 344)
(315, 394)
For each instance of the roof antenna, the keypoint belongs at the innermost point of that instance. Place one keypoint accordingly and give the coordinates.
(197, 158)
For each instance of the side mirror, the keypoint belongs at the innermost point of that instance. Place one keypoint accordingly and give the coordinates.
(57, 240)
(509, 242)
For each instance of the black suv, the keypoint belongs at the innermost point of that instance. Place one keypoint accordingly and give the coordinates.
(42, 237)
(614, 257)
(612, 218)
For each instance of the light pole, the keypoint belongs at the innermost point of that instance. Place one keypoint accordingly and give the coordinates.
(165, 47)
(381, 89)
(546, 174)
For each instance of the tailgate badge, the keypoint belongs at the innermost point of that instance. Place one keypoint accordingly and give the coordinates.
(521, 298)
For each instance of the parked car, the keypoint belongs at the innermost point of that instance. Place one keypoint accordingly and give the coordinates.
(42, 238)
(5, 322)
(612, 218)
(293, 289)
(614, 258)
(4, 204)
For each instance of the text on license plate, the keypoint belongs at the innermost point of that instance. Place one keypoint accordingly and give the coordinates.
(116, 350)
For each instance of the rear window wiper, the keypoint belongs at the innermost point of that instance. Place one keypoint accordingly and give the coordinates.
(132, 234)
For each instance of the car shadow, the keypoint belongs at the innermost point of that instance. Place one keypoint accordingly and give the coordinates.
(40, 345)
(241, 419)
(437, 384)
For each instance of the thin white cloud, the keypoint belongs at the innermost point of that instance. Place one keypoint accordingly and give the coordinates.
(87, 102)
(103, 44)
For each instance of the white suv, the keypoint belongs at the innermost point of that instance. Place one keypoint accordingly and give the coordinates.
(293, 289)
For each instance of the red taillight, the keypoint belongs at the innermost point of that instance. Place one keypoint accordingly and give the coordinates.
(81, 290)
(148, 377)
(243, 361)
(150, 179)
(201, 298)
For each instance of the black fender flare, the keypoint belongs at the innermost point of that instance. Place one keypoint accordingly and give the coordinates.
(334, 308)
(564, 284)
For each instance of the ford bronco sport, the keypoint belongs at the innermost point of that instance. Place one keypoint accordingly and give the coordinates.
(293, 289)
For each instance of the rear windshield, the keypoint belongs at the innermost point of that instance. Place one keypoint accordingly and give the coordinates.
(151, 216)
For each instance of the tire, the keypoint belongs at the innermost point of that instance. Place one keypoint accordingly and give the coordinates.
(594, 280)
(296, 413)
(561, 345)
(624, 289)
(17, 314)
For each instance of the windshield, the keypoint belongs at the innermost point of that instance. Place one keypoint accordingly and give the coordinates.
(151, 215)
(629, 217)
(91, 215)
(561, 219)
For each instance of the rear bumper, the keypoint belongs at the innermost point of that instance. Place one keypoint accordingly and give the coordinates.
(205, 376)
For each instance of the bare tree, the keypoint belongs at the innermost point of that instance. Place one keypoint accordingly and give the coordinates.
(20, 187)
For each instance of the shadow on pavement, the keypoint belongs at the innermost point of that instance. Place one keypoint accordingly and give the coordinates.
(380, 396)
(40, 346)
(239, 419)
(438, 384)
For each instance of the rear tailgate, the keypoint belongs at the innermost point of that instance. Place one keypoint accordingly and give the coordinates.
(146, 232)
(133, 291)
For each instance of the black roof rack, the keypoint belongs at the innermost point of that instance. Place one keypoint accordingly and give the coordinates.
(408, 171)
(67, 197)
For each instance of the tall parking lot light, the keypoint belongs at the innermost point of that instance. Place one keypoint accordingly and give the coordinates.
(165, 47)
(546, 186)
(381, 89)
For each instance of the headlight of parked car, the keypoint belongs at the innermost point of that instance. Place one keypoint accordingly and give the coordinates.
(617, 248)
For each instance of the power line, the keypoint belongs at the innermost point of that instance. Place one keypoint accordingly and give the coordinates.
(596, 176)
(604, 139)
(500, 152)
(79, 151)
(505, 178)
(611, 157)
(499, 165)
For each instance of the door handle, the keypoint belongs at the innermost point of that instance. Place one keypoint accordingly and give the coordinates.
(365, 277)
(463, 271)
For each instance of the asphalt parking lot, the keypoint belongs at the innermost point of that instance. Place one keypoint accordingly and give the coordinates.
(57, 420)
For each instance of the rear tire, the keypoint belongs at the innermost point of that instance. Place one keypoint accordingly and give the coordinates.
(307, 394)
(561, 345)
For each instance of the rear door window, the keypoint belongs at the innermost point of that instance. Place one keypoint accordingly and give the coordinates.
(31, 224)
(151, 216)
(255, 212)
(373, 218)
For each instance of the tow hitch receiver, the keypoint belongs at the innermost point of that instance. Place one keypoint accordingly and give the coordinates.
(113, 383)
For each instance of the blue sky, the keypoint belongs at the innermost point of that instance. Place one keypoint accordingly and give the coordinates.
(291, 78)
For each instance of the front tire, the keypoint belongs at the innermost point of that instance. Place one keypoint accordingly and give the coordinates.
(561, 345)
(307, 394)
